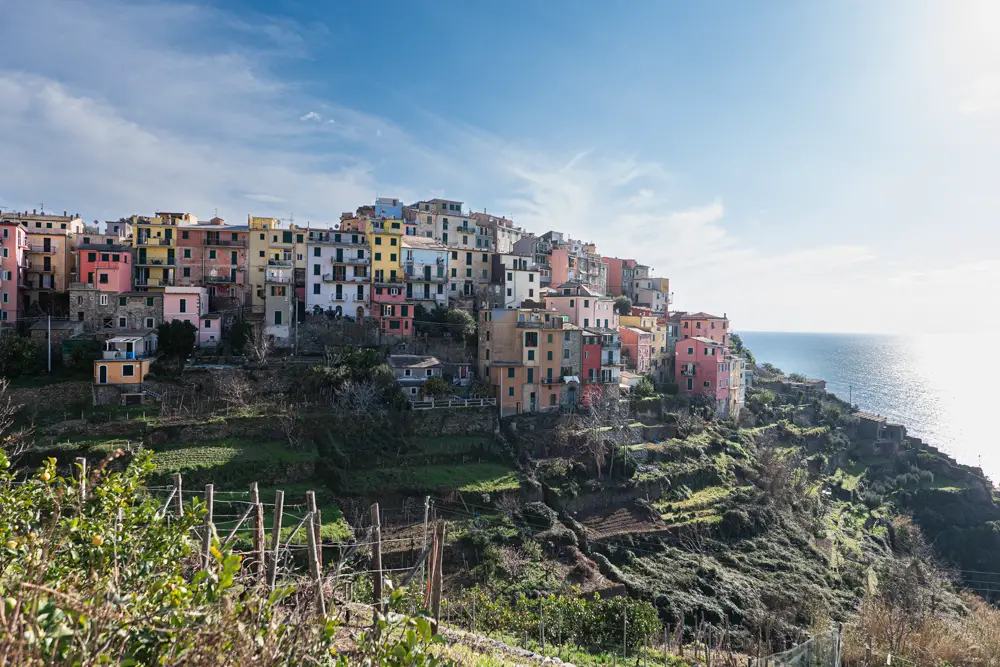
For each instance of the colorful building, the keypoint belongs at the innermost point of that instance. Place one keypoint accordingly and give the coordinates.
(107, 268)
(705, 325)
(659, 352)
(515, 280)
(338, 276)
(583, 306)
(215, 256)
(531, 357)
(13, 263)
(620, 273)
(190, 304)
(637, 347)
(389, 309)
(49, 261)
(590, 367)
(703, 370)
(425, 269)
(155, 241)
(652, 293)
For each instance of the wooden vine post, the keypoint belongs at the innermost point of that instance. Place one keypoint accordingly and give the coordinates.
(259, 567)
(178, 497)
(272, 564)
(377, 562)
(206, 538)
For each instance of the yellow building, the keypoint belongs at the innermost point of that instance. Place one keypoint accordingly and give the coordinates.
(385, 237)
(659, 354)
(155, 241)
(277, 267)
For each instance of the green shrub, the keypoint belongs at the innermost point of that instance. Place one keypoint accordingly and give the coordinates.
(19, 356)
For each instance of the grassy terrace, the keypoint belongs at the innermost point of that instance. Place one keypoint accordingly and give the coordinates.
(471, 477)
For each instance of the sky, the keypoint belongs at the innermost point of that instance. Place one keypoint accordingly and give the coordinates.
(822, 166)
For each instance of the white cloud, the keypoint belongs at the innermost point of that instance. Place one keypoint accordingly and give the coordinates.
(312, 115)
(267, 199)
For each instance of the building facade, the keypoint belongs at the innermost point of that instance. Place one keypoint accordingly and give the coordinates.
(583, 306)
(706, 326)
(13, 264)
(425, 269)
(703, 370)
(338, 277)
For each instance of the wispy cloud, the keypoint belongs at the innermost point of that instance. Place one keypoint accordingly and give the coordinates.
(312, 115)
(267, 199)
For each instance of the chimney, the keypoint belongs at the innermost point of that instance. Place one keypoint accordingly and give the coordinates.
(65, 214)
(34, 211)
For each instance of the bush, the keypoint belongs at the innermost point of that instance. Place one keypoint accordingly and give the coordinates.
(644, 388)
(671, 389)
(18, 357)
(84, 354)
(436, 386)
(176, 339)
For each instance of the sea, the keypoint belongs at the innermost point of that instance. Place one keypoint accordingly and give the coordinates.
(918, 381)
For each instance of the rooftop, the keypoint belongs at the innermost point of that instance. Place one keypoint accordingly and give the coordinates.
(701, 316)
(706, 341)
(422, 243)
(104, 246)
(413, 361)
(870, 416)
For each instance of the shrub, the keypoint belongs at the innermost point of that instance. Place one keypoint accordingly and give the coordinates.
(671, 388)
(436, 386)
(176, 339)
(18, 356)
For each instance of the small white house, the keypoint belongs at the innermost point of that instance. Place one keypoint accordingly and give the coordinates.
(413, 370)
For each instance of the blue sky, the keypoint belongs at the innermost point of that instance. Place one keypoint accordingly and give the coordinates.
(822, 166)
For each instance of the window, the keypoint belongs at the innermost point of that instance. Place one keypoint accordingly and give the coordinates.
(404, 311)
(586, 303)
(697, 325)
(187, 271)
(468, 258)
(392, 241)
(510, 292)
(122, 323)
(586, 322)
(531, 357)
(105, 257)
(286, 237)
(392, 257)
(128, 370)
(572, 303)
(510, 372)
(487, 353)
(149, 301)
(510, 391)
(315, 269)
(150, 323)
(378, 240)
(690, 384)
(277, 318)
(549, 355)
(187, 253)
(91, 256)
(261, 253)
(261, 237)
(315, 288)
(211, 254)
(429, 372)
(184, 235)
(378, 257)
(183, 305)
(298, 238)
(566, 353)
(566, 336)
(316, 252)
(103, 299)
(103, 278)
(550, 338)
(531, 375)
(691, 350)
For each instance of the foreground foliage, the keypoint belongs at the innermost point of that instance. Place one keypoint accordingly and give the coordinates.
(96, 574)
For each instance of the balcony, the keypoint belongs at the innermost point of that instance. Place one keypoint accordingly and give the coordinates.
(530, 324)
(153, 241)
(239, 243)
(419, 278)
(169, 261)
(123, 355)
(149, 282)
(388, 282)
(688, 372)
(278, 277)
(44, 249)
(219, 279)
(349, 260)
(285, 263)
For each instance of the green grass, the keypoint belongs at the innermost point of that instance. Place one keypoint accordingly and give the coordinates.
(452, 444)
(472, 477)
(217, 453)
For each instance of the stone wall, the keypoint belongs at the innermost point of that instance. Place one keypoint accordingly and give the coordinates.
(454, 421)
(97, 316)
(59, 396)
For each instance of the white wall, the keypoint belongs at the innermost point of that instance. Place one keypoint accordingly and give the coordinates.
(326, 298)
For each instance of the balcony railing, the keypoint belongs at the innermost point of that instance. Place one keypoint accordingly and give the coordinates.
(153, 241)
(122, 354)
(388, 282)
(688, 372)
(278, 277)
(149, 282)
(530, 324)
(149, 261)
(219, 279)
(281, 262)
(228, 243)
(47, 249)
(348, 260)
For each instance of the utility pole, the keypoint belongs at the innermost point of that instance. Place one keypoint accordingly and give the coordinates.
(48, 340)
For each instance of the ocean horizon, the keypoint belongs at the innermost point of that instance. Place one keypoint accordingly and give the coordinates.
(910, 379)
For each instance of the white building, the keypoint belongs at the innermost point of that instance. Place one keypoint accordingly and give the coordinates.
(425, 269)
(444, 221)
(413, 370)
(338, 273)
(519, 280)
(279, 287)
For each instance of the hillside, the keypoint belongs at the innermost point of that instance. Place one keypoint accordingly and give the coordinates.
(762, 532)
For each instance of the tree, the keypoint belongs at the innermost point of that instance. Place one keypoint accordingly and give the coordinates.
(238, 335)
(623, 305)
(605, 429)
(797, 377)
(481, 388)
(234, 389)
(460, 323)
(13, 442)
(736, 343)
(259, 345)
(436, 386)
(644, 387)
(18, 356)
(176, 339)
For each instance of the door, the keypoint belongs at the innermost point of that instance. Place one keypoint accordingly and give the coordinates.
(102, 374)
(571, 396)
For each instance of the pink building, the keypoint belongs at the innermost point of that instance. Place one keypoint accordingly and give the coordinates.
(190, 304)
(214, 256)
(390, 310)
(106, 268)
(620, 273)
(705, 325)
(560, 264)
(637, 346)
(13, 262)
(582, 306)
(702, 369)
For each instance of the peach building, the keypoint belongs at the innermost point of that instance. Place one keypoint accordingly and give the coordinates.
(705, 325)
(584, 307)
(107, 268)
